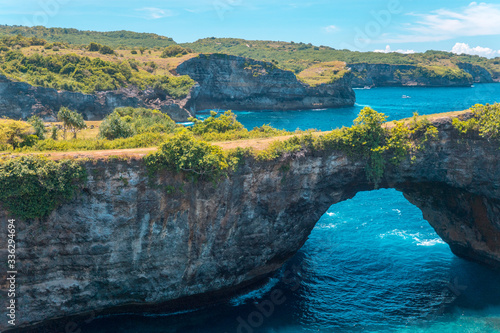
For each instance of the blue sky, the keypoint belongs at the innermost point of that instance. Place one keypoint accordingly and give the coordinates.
(363, 25)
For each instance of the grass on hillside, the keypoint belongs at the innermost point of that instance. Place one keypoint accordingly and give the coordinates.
(325, 72)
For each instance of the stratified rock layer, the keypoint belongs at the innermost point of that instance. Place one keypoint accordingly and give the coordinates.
(231, 82)
(123, 241)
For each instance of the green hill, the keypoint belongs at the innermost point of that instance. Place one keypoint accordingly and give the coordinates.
(299, 56)
(114, 39)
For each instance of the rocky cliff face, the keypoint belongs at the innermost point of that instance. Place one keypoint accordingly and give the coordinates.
(384, 75)
(230, 82)
(479, 74)
(125, 242)
(19, 100)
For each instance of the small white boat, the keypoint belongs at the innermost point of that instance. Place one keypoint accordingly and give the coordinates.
(406, 96)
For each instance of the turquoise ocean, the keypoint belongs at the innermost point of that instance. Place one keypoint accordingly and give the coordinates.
(371, 264)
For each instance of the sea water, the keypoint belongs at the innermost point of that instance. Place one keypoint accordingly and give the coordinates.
(371, 264)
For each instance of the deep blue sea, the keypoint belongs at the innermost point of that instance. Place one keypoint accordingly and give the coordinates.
(372, 263)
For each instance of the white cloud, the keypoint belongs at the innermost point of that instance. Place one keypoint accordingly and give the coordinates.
(330, 29)
(481, 19)
(463, 48)
(152, 13)
(388, 50)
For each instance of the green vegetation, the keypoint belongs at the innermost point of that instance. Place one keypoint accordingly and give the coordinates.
(368, 139)
(127, 122)
(32, 187)
(114, 39)
(216, 123)
(175, 51)
(71, 120)
(193, 157)
(38, 126)
(485, 121)
(102, 49)
(83, 74)
(323, 73)
(15, 134)
(225, 127)
(432, 72)
(299, 56)
(19, 41)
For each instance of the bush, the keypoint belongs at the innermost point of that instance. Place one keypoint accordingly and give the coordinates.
(32, 187)
(106, 50)
(39, 126)
(126, 122)
(114, 127)
(174, 51)
(195, 158)
(216, 123)
(485, 121)
(13, 134)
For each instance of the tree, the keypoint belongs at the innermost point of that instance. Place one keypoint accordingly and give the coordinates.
(53, 132)
(114, 127)
(174, 51)
(106, 50)
(71, 120)
(64, 115)
(216, 123)
(77, 123)
(39, 126)
(94, 47)
(14, 133)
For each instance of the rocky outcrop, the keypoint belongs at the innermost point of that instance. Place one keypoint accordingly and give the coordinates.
(385, 75)
(231, 82)
(124, 242)
(20, 100)
(479, 74)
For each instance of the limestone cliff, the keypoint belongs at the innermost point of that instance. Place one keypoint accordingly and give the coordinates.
(385, 75)
(20, 100)
(479, 74)
(124, 241)
(231, 82)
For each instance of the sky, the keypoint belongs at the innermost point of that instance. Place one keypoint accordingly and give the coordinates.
(360, 25)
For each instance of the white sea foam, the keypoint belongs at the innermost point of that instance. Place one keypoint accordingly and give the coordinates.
(256, 294)
(417, 238)
(431, 242)
(326, 226)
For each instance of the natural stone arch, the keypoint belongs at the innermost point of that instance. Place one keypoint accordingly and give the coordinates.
(207, 241)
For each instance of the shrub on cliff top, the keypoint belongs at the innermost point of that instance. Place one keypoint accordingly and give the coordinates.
(485, 120)
(32, 187)
(367, 139)
(216, 123)
(195, 158)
